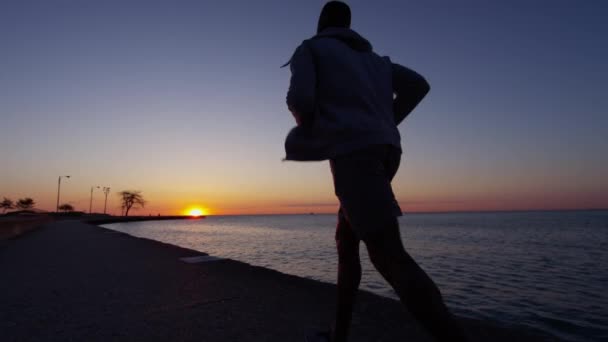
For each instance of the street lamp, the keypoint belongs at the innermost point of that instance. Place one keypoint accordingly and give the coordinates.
(59, 190)
(91, 202)
(106, 191)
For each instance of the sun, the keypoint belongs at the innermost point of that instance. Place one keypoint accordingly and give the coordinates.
(196, 211)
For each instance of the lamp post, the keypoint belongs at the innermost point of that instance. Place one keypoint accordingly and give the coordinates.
(91, 201)
(59, 190)
(106, 191)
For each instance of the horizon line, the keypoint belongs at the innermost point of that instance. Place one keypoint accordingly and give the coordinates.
(429, 212)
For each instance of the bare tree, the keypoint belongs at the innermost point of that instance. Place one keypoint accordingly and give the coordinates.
(6, 204)
(131, 199)
(25, 203)
(66, 207)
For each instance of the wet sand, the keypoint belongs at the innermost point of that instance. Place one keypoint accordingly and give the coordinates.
(70, 280)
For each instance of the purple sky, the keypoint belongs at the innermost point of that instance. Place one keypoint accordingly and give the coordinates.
(185, 101)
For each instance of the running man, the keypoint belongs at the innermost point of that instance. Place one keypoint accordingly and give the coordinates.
(347, 102)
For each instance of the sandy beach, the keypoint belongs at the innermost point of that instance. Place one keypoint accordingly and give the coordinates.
(70, 280)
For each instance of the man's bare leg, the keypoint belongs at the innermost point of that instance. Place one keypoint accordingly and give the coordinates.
(349, 277)
(414, 287)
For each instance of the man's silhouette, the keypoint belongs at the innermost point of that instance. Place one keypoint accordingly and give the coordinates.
(347, 102)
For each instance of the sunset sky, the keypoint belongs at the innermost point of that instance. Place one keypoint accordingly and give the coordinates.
(185, 101)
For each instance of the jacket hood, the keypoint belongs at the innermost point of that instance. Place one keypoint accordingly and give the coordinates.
(351, 38)
(354, 40)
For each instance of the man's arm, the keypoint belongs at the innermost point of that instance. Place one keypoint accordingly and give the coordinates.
(302, 86)
(410, 88)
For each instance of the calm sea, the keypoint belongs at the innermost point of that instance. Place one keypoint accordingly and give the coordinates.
(545, 270)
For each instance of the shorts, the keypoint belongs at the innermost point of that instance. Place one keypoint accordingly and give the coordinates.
(362, 182)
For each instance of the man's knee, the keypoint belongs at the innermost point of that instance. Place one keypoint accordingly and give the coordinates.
(386, 234)
(348, 253)
(385, 246)
(345, 236)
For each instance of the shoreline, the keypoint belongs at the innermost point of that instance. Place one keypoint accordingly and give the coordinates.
(482, 324)
(126, 219)
(524, 333)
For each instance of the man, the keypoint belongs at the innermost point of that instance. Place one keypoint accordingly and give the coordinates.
(347, 102)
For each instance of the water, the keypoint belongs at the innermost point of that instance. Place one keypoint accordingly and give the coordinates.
(545, 270)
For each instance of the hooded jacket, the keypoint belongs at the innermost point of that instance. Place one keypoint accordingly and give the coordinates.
(343, 94)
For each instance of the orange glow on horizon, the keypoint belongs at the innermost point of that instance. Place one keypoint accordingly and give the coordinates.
(320, 200)
(196, 211)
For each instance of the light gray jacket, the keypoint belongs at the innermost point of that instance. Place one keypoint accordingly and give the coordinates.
(344, 94)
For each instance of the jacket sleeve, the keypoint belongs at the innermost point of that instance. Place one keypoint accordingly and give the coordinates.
(302, 86)
(410, 88)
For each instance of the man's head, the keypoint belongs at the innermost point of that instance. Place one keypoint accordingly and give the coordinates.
(334, 14)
